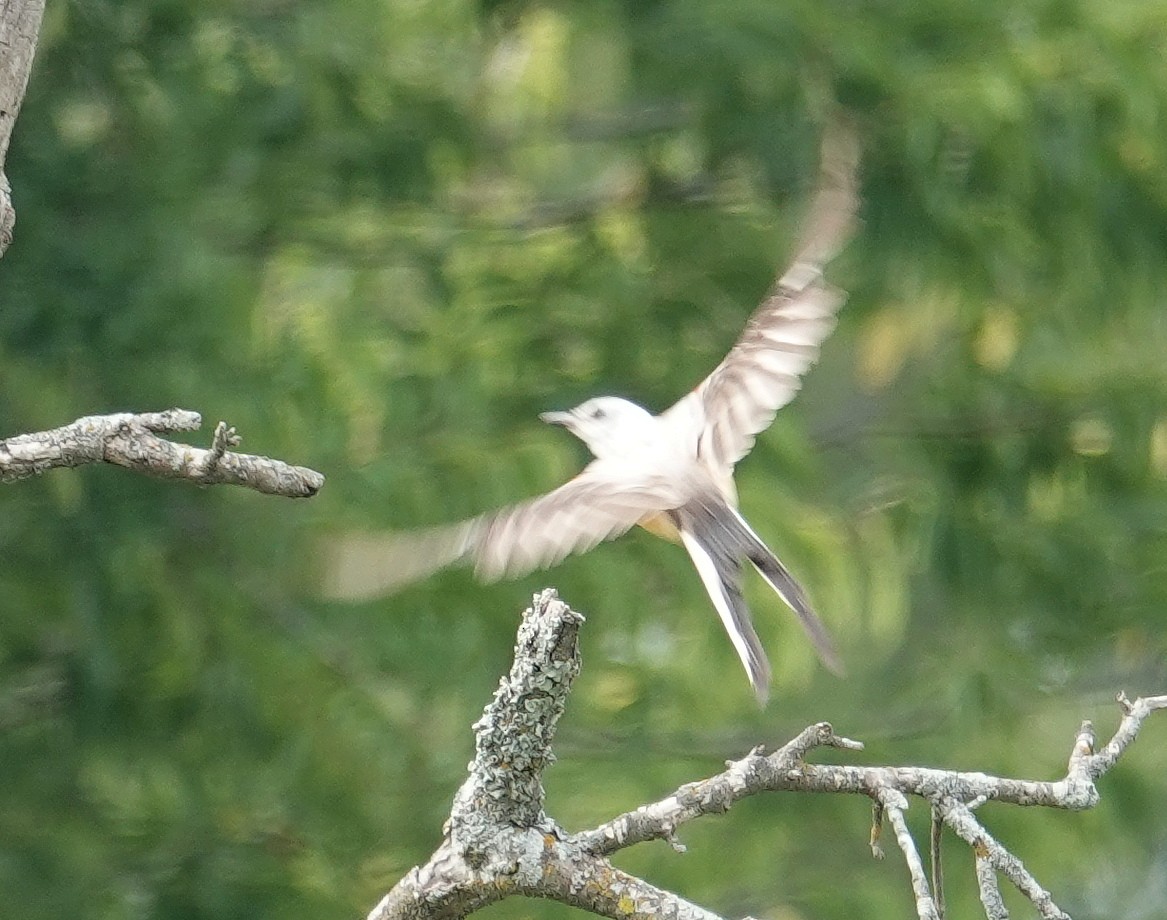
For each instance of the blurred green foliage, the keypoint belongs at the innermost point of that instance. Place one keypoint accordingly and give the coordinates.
(381, 237)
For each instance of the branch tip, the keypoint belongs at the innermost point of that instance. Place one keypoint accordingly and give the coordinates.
(846, 744)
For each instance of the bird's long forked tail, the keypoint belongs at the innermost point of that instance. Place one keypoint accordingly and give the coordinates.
(721, 575)
(718, 538)
(778, 577)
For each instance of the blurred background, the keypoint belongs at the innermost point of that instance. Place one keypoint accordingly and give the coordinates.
(381, 237)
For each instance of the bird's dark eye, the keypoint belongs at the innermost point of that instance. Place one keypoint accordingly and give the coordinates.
(597, 413)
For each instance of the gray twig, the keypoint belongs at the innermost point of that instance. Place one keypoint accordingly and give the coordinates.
(987, 886)
(894, 804)
(1094, 765)
(934, 840)
(972, 832)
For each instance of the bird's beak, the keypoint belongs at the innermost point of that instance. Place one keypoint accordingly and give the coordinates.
(557, 418)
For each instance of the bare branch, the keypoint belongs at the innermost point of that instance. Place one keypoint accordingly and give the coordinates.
(754, 773)
(961, 820)
(1133, 715)
(894, 804)
(934, 839)
(536, 865)
(20, 23)
(987, 885)
(783, 771)
(513, 737)
(131, 440)
(500, 842)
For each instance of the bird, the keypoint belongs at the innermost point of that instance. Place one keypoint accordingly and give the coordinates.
(671, 473)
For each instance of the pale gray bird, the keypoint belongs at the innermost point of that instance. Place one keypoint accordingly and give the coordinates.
(671, 473)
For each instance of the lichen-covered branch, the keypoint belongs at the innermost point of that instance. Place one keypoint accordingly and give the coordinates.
(755, 773)
(784, 771)
(960, 818)
(894, 805)
(132, 440)
(500, 842)
(20, 23)
(987, 888)
(1093, 765)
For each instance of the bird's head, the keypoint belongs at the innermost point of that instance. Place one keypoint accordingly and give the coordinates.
(608, 425)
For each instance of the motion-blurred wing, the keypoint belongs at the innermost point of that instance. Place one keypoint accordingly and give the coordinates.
(602, 502)
(763, 371)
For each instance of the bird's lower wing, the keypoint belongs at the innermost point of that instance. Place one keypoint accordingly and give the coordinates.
(363, 566)
(602, 502)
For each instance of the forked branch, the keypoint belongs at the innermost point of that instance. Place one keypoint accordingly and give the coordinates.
(499, 841)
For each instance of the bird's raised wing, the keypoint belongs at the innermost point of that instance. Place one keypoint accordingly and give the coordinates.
(763, 371)
(603, 501)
